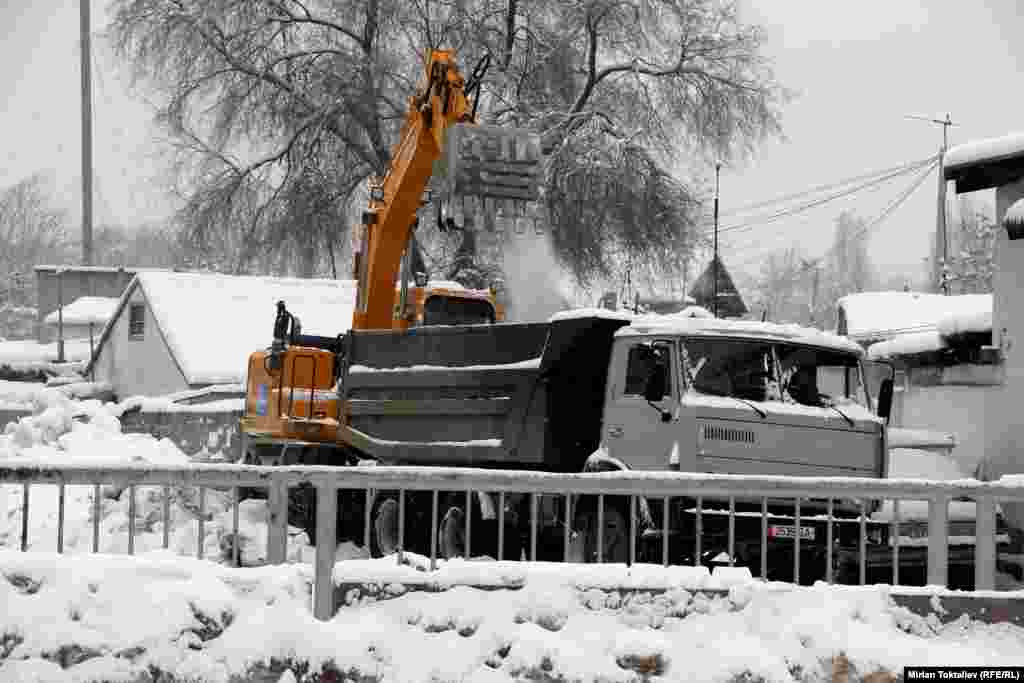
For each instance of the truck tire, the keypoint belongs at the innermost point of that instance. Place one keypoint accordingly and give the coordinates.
(451, 535)
(616, 531)
(384, 525)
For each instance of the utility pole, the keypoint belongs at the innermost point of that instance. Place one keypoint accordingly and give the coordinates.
(714, 263)
(86, 62)
(941, 231)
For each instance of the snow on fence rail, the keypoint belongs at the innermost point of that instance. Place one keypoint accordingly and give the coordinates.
(652, 486)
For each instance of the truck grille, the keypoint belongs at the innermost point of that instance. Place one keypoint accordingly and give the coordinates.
(716, 433)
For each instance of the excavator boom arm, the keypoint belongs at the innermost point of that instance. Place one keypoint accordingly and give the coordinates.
(387, 226)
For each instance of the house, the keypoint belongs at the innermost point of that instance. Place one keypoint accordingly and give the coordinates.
(173, 332)
(730, 303)
(82, 318)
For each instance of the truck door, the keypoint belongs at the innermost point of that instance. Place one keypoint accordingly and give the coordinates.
(639, 433)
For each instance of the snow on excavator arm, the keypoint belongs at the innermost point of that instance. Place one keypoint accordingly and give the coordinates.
(493, 162)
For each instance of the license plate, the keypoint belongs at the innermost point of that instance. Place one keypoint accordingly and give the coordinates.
(785, 531)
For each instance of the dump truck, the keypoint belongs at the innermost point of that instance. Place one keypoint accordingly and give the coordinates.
(605, 391)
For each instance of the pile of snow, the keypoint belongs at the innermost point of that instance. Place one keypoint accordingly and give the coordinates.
(95, 310)
(119, 618)
(28, 354)
(984, 151)
(216, 398)
(25, 395)
(63, 430)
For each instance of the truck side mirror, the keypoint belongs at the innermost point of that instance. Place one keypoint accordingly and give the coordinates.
(654, 390)
(885, 398)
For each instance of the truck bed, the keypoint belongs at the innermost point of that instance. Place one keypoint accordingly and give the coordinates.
(509, 395)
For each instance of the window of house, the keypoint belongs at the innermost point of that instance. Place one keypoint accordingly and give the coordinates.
(137, 321)
(644, 361)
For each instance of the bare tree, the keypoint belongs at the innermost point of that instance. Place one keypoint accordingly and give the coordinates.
(971, 265)
(32, 231)
(266, 99)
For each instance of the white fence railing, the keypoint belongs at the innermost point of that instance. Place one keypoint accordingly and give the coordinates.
(653, 488)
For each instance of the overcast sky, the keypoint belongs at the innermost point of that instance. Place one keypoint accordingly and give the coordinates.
(857, 68)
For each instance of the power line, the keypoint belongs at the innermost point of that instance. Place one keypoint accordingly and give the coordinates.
(821, 188)
(877, 220)
(742, 227)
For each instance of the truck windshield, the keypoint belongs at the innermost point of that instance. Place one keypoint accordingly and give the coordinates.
(757, 370)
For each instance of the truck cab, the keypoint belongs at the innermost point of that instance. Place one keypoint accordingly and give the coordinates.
(709, 395)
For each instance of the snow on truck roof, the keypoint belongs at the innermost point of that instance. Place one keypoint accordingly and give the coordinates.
(696, 320)
(750, 329)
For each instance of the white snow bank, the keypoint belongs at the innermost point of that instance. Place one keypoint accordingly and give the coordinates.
(883, 315)
(27, 353)
(96, 310)
(199, 621)
(64, 431)
(983, 151)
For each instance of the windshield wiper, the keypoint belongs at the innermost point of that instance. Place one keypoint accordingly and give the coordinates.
(849, 420)
(744, 401)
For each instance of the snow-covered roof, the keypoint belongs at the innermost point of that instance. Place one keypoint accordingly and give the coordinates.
(984, 151)
(84, 310)
(212, 322)
(974, 316)
(874, 316)
(680, 323)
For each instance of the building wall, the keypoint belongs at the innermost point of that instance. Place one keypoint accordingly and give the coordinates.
(138, 367)
(953, 408)
(77, 282)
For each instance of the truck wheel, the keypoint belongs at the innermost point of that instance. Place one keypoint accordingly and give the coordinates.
(616, 532)
(451, 533)
(384, 525)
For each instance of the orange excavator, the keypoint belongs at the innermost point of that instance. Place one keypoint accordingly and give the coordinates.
(292, 409)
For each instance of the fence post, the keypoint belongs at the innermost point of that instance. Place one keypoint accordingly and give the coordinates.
(985, 544)
(326, 541)
(277, 520)
(938, 541)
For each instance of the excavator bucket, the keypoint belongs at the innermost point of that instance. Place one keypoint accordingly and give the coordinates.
(491, 162)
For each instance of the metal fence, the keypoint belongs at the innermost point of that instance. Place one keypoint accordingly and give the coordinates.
(649, 489)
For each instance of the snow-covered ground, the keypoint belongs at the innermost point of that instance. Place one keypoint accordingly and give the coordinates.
(111, 617)
(30, 355)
